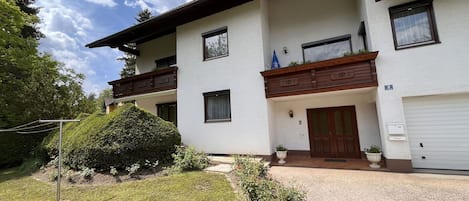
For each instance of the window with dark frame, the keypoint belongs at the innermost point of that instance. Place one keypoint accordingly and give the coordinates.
(165, 62)
(217, 106)
(167, 111)
(327, 49)
(413, 24)
(215, 43)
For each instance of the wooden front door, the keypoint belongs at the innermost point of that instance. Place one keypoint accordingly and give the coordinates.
(333, 132)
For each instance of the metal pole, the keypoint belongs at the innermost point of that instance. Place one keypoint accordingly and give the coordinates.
(61, 121)
(59, 161)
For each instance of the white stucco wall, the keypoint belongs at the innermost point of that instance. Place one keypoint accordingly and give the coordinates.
(427, 70)
(248, 131)
(150, 51)
(295, 22)
(149, 103)
(294, 135)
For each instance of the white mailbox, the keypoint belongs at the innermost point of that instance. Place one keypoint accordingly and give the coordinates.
(396, 128)
(396, 131)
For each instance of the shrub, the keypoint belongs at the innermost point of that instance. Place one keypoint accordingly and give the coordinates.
(16, 148)
(113, 171)
(87, 173)
(188, 158)
(252, 175)
(126, 135)
(151, 165)
(133, 169)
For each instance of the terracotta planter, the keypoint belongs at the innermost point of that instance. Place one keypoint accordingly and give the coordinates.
(374, 158)
(281, 155)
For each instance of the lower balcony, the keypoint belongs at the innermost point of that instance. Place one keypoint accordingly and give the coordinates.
(156, 81)
(350, 72)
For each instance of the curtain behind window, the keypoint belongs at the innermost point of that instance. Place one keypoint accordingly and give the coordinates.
(218, 107)
(412, 26)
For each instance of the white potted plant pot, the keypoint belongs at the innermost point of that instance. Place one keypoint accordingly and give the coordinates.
(281, 153)
(374, 156)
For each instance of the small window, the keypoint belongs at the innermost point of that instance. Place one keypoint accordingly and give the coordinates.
(327, 49)
(165, 62)
(413, 24)
(168, 112)
(217, 106)
(215, 43)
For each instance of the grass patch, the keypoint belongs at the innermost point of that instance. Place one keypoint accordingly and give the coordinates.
(185, 186)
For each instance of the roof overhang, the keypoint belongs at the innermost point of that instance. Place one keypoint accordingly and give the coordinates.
(166, 23)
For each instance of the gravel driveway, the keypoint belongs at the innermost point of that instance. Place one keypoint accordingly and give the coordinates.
(332, 185)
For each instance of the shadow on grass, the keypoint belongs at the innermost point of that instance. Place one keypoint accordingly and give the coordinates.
(11, 174)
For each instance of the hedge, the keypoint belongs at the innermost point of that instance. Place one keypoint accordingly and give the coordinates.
(124, 137)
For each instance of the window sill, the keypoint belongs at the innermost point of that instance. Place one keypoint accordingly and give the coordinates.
(218, 121)
(416, 45)
(217, 57)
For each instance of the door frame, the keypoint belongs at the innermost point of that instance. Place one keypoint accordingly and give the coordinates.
(356, 135)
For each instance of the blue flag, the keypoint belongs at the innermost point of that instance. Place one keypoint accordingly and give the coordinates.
(275, 63)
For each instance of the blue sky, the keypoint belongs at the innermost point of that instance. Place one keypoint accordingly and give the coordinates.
(71, 24)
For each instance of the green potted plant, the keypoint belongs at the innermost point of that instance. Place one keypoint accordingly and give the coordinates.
(281, 153)
(373, 154)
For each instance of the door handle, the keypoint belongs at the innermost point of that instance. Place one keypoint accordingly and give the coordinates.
(421, 145)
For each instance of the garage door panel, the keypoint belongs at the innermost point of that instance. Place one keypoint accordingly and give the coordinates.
(441, 124)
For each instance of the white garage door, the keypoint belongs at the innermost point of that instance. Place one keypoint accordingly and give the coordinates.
(438, 130)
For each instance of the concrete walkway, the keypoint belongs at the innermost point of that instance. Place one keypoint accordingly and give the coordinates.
(332, 185)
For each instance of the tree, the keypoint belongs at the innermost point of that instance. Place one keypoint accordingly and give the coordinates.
(32, 85)
(30, 30)
(130, 60)
(143, 15)
(99, 103)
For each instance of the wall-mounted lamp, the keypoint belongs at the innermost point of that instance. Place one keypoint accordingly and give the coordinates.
(290, 113)
(285, 50)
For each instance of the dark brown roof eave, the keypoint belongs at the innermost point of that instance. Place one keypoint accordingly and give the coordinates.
(166, 22)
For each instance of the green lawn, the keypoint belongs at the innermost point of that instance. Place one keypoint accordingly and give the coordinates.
(185, 186)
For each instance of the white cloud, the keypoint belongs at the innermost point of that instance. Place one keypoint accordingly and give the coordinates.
(67, 30)
(108, 3)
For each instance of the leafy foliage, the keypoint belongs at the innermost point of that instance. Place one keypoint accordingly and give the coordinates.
(374, 149)
(281, 148)
(252, 175)
(188, 158)
(113, 171)
(119, 139)
(133, 169)
(33, 85)
(87, 173)
(99, 102)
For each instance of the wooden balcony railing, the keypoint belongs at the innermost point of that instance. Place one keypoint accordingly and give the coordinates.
(350, 72)
(159, 80)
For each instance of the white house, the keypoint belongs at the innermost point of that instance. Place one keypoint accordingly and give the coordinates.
(355, 73)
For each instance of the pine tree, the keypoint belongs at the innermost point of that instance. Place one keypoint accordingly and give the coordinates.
(30, 30)
(129, 59)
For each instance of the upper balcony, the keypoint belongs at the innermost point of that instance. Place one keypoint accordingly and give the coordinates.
(349, 72)
(156, 81)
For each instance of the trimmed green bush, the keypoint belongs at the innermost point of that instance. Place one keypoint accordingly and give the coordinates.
(188, 158)
(124, 137)
(252, 175)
